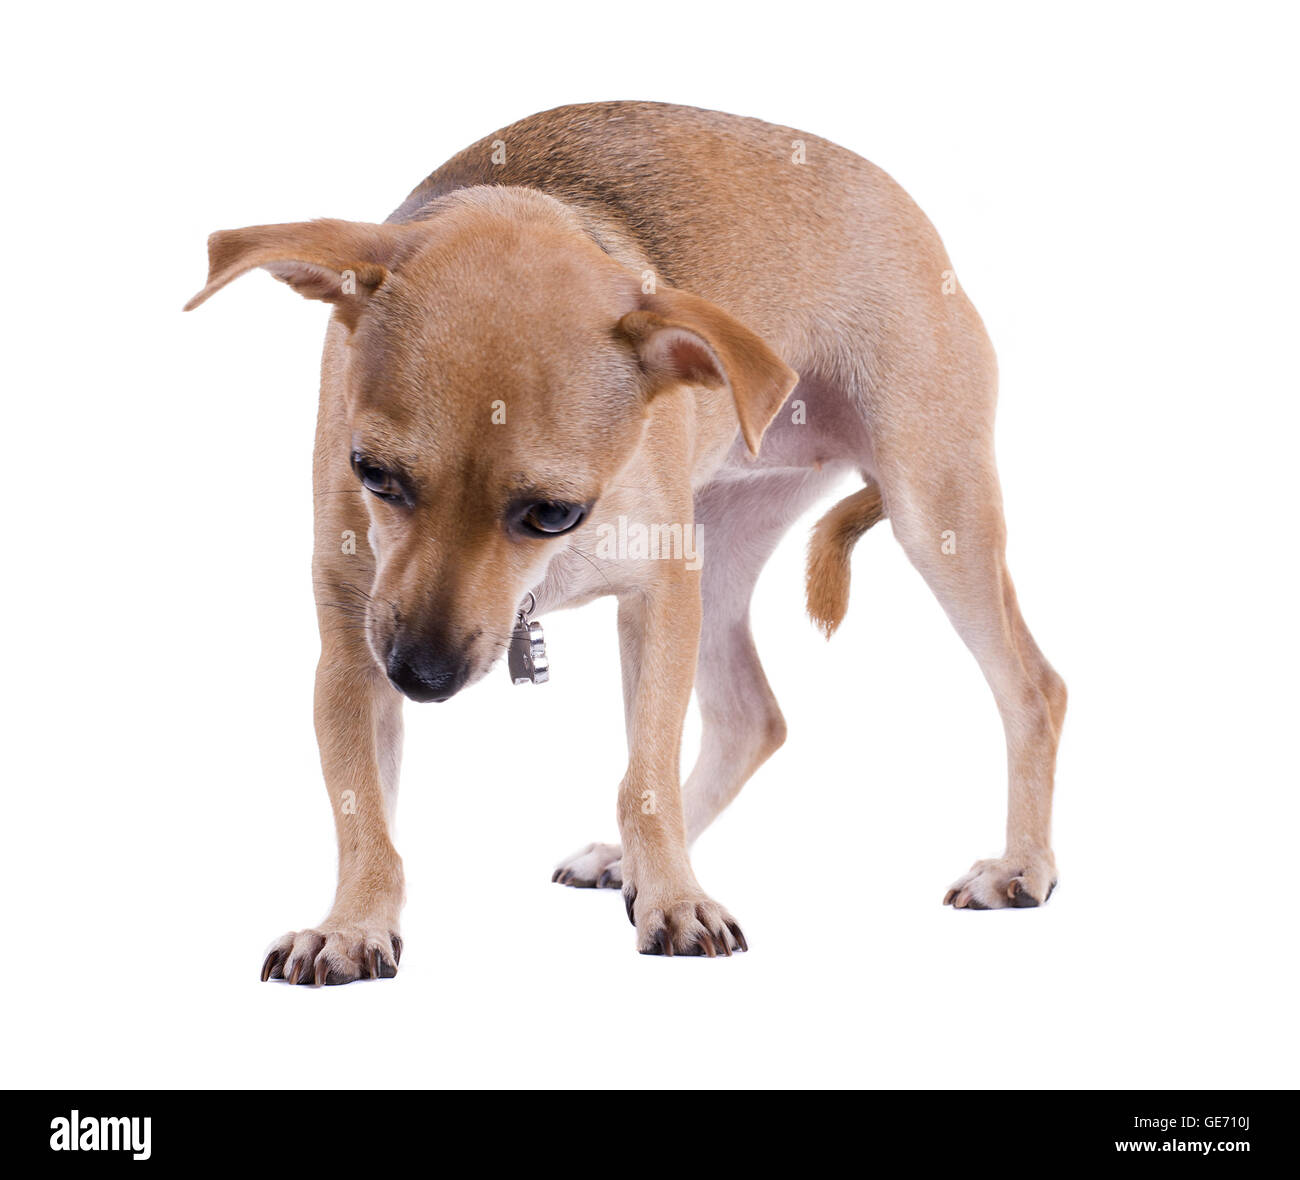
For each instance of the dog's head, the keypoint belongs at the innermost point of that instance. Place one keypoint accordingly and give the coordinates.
(496, 377)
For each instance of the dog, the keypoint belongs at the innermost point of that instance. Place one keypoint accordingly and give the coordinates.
(639, 316)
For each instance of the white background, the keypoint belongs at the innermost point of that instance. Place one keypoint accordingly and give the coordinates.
(1117, 190)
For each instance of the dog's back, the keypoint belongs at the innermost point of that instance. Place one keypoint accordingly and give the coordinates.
(829, 255)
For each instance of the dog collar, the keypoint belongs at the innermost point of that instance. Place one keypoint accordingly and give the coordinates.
(527, 654)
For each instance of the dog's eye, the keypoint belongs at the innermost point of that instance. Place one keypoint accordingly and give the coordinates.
(549, 518)
(376, 480)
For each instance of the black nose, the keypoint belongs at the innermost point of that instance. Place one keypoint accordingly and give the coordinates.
(426, 672)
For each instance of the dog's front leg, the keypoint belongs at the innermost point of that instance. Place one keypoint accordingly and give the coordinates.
(659, 631)
(359, 728)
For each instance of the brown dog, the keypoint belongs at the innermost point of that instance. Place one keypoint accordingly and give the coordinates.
(631, 320)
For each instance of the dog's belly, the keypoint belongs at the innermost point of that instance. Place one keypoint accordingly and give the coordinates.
(818, 436)
(819, 429)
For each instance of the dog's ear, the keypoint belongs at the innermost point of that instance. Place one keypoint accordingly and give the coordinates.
(681, 337)
(340, 262)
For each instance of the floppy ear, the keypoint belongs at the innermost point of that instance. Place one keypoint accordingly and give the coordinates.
(340, 262)
(681, 337)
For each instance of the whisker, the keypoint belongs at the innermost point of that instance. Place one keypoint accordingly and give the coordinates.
(591, 562)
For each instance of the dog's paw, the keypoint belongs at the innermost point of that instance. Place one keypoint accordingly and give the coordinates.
(333, 954)
(598, 866)
(1005, 883)
(693, 924)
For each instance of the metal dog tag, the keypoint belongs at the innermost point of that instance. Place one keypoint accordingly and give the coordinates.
(527, 655)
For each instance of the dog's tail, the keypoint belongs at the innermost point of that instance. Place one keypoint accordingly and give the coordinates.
(829, 550)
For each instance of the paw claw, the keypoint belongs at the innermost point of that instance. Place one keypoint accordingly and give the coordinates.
(273, 964)
(1020, 896)
(738, 935)
(715, 932)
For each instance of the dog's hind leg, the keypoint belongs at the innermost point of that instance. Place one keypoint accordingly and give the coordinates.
(947, 514)
(740, 524)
